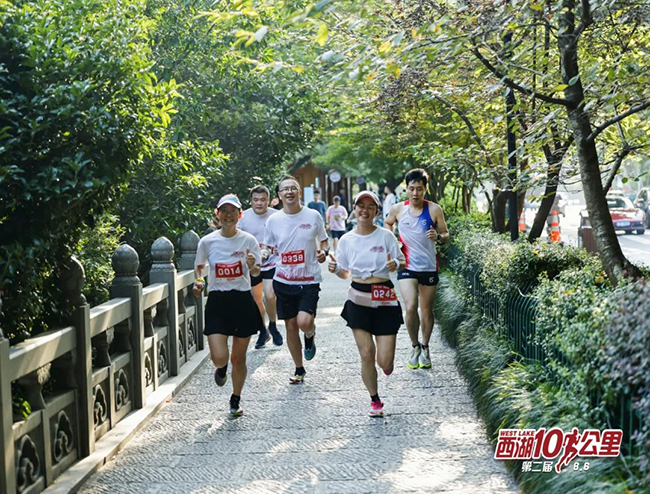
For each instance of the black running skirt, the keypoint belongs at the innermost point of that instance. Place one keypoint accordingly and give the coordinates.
(378, 321)
(233, 313)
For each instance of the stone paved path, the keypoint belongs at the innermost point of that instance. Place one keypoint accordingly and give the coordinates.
(314, 438)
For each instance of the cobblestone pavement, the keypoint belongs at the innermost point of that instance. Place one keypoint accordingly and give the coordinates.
(317, 437)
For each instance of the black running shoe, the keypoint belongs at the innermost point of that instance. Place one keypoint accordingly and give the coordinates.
(218, 379)
(275, 334)
(263, 338)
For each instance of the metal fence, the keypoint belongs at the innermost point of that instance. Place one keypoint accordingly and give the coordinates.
(98, 369)
(517, 316)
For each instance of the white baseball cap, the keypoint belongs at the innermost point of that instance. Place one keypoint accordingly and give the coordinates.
(367, 193)
(229, 199)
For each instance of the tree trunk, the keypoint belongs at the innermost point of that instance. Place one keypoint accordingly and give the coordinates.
(611, 255)
(552, 179)
(498, 212)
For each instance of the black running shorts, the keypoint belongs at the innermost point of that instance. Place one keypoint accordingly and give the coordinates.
(337, 233)
(233, 313)
(427, 278)
(292, 299)
(264, 275)
(378, 321)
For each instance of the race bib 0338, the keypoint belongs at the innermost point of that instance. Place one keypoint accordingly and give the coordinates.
(294, 257)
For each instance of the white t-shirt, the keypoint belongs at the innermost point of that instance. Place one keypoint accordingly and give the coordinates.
(389, 202)
(226, 257)
(294, 236)
(255, 224)
(366, 255)
(336, 217)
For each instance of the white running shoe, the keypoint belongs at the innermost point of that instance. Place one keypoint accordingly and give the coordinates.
(414, 359)
(425, 359)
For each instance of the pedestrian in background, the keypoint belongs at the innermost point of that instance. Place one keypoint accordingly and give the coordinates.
(318, 205)
(336, 216)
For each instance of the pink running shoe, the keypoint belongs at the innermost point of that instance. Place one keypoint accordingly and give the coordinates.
(376, 409)
(389, 371)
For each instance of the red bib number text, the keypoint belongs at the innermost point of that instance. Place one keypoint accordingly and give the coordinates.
(381, 293)
(232, 270)
(293, 257)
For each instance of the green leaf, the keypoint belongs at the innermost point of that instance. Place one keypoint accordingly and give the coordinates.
(574, 79)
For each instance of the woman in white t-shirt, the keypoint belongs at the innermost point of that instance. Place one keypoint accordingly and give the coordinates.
(232, 256)
(336, 216)
(368, 254)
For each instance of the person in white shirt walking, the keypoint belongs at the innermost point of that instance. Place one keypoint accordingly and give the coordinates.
(336, 216)
(389, 201)
(369, 254)
(253, 221)
(293, 234)
(421, 224)
(232, 256)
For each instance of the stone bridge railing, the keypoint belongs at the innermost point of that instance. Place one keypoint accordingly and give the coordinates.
(98, 369)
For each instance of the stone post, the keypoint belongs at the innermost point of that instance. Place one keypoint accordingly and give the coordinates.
(126, 283)
(164, 271)
(189, 245)
(7, 453)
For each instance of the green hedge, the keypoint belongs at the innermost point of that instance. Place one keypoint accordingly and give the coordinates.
(593, 337)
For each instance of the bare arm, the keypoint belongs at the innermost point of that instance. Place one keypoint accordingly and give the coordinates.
(391, 219)
(199, 282)
(439, 218)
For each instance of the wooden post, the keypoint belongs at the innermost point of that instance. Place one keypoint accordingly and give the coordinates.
(164, 271)
(126, 283)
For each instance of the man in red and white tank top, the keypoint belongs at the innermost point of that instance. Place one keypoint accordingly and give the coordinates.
(421, 224)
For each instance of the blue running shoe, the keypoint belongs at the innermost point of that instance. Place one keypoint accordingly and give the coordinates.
(310, 347)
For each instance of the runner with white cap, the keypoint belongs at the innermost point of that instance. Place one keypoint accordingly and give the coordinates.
(253, 221)
(293, 233)
(232, 256)
(369, 254)
(421, 224)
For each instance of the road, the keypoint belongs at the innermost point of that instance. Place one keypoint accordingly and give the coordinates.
(635, 247)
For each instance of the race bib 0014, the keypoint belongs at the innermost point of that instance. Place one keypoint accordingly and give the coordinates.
(232, 270)
(295, 257)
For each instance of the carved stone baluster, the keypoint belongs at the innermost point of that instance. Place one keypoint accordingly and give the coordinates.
(1, 316)
(33, 384)
(131, 334)
(72, 282)
(164, 271)
(189, 244)
(149, 315)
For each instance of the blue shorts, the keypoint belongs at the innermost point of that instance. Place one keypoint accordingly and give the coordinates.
(426, 278)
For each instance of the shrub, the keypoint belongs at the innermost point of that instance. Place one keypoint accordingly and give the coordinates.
(627, 356)
(94, 251)
(80, 108)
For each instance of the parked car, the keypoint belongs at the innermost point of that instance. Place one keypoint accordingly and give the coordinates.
(642, 202)
(625, 215)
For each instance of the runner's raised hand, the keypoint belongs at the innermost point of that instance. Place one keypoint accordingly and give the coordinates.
(321, 256)
(332, 266)
(391, 264)
(250, 259)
